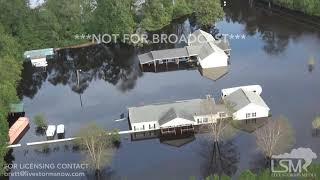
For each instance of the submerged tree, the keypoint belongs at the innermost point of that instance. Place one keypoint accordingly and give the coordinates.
(275, 137)
(311, 64)
(98, 146)
(316, 125)
(222, 153)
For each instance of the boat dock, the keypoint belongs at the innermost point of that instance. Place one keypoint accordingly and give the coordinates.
(66, 139)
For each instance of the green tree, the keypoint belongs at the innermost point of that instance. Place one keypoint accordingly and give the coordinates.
(247, 175)
(157, 14)
(40, 121)
(182, 8)
(208, 11)
(113, 17)
(97, 145)
(10, 70)
(311, 7)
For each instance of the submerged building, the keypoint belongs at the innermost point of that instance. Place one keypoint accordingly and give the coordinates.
(239, 103)
(202, 48)
(245, 102)
(180, 114)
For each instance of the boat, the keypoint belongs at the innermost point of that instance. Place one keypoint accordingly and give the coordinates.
(18, 129)
(51, 130)
(60, 131)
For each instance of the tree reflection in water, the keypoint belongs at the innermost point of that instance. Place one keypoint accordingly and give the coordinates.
(218, 159)
(274, 30)
(114, 64)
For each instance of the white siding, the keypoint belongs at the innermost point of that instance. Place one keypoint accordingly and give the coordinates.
(216, 59)
(145, 126)
(259, 111)
(178, 122)
(204, 118)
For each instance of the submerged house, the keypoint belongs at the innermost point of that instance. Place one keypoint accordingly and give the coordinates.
(182, 115)
(238, 103)
(245, 102)
(38, 58)
(202, 48)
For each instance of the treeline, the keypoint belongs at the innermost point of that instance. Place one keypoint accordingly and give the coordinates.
(10, 69)
(312, 174)
(310, 7)
(56, 22)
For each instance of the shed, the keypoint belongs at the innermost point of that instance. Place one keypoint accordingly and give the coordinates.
(16, 107)
(39, 53)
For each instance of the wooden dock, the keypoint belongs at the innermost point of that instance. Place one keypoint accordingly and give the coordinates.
(65, 139)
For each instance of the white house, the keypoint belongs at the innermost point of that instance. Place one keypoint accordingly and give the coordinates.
(211, 56)
(175, 114)
(245, 102)
(202, 46)
(253, 88)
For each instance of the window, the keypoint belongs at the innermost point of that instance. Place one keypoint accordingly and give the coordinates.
(154, 126)
(142, 127)
(248, 115)
(198, 120)
(254, 114)
(205, 120)
(149, 126)
(222, 115)
(134, 127)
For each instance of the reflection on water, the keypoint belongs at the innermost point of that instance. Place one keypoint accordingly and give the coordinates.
(77, 68)
(274, 55)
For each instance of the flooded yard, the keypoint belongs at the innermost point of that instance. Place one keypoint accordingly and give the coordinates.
(273, 54)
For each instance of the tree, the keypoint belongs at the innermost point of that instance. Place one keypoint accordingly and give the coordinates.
(221, 154)
(247, 175)
(98, 146)
(182, 8)
(40, 121)
(113, 17)
(157, 14)
(208, 12)
(275, 137)
(10, 69)
(316, 125)
(311, 64)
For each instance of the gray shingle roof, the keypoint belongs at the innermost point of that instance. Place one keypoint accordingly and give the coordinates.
(214, 73)
(165, 112)
(170, 53)
(172, 114)
(239, 99)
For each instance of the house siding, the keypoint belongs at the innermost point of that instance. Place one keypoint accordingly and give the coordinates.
(260, 112)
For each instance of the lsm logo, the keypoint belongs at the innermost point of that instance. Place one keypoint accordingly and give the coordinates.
(293, 164)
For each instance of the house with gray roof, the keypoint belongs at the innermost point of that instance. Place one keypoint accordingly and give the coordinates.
(175, 114)
(245, 104)
(208, 52)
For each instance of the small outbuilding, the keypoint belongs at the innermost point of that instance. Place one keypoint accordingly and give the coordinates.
(245, 104)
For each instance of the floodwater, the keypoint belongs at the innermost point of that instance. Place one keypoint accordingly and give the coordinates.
(274, 54)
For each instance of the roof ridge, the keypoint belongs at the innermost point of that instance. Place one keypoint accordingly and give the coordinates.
(246, 95)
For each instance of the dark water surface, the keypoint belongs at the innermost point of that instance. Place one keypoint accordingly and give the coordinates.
(274, 54)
